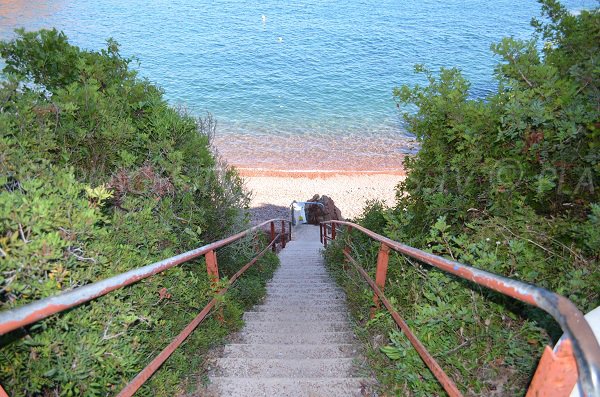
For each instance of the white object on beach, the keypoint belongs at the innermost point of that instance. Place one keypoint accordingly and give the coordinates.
(298, 213)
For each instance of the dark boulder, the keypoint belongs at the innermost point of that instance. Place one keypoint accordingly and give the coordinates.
(318, 213)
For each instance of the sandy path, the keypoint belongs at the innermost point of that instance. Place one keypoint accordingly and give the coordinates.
(273, 194)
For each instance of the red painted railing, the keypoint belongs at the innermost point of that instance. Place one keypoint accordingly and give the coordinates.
(11, 320)
(577, 357)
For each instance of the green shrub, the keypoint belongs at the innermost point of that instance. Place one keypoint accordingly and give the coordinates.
(509, 184)
(98, 175)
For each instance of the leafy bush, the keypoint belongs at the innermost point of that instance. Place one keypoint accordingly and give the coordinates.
(509, 184)
(98, 175)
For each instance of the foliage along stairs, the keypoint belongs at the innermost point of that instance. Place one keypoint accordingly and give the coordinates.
(299, 342)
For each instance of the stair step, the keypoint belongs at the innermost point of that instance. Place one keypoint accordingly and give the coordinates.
(297, 285)
(307, 308)
(286, 387)
(296, 326)
(326, 287)
(297, 339)
(300, 296)
(293, 302)
(285, 368)
(295, 316)
(345, 350)
(325, 298)
(305, 291)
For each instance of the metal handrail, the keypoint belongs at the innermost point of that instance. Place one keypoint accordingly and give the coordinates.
(578, 333)
(13, 319)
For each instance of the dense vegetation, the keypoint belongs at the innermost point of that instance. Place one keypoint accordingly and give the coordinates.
(98, 175)
(510, 184)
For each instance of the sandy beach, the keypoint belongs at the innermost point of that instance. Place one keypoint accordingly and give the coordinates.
(273, 191)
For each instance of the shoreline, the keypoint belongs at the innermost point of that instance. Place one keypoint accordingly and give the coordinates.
(311, 174)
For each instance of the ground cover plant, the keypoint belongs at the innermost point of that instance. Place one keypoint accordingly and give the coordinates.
(508, 183)
(98, 175)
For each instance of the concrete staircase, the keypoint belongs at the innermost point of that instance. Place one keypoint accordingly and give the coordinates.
(299, 341)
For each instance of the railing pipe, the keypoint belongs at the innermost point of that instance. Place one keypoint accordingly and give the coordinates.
(156, 363)
(428, 359)
(566, 314)
(38, 310)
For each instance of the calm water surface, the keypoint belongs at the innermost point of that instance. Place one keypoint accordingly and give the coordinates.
(292, 84)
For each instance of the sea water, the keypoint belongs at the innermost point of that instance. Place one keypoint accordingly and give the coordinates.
(293, 84)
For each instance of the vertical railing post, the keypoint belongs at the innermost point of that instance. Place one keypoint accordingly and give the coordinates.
(273, 236)
(347, 248)
(283, 235)
(290, 233)
(333, 231)
(212, 268)
(380, 274)
(325, 235)
(556, 373)
(321, 232)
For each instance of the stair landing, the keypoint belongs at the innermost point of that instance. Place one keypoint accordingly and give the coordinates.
(299, 341)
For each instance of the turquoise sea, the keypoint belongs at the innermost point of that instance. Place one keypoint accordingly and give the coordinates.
(301, 84)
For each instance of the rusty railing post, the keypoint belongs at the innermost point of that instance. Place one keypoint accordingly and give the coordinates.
(212, 268)
(283, 235)
(290, 232)
(321, 232)
(347, 248)
(556, 373)
(325, 235)
(380, 274)
(273, 235)
(333, 231)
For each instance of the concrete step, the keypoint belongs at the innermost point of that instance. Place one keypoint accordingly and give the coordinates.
(287, 387)
(301, 275)
(290, 351)
(325, 295)
(296, 326)
(297, 339)
(285, 368)
(305, 308)
(297, 285)
(296, 316)
(302, 302)
(279, 290)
